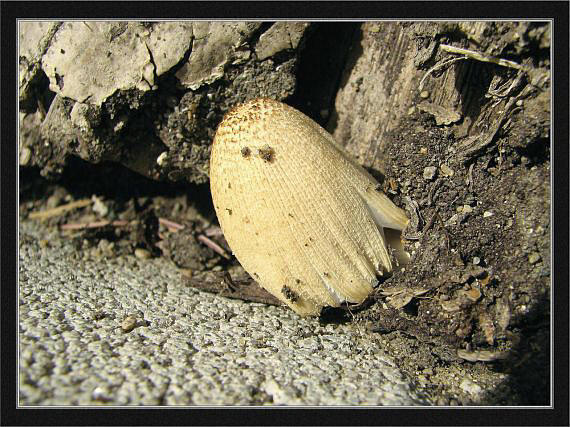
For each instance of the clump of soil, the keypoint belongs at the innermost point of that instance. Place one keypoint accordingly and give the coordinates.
(478, 283)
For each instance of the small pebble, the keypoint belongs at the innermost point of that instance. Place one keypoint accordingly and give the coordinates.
(476, 260)
(487, 214)
(424, 94)
(187, 272)
(423, 150)
(101, 394)
(25, 156)
(473, 294)
(105, 246)
(99, 207)
(129, 323)
(534, 257)
(470, 387)
(119, 126)
(142, 253)
(160, 159)
(446, 170)
(452, 220)
(430, 173)
(441, 401)
(519, 103)
(467, 209)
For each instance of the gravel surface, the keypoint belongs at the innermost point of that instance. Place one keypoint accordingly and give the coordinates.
(127, 331)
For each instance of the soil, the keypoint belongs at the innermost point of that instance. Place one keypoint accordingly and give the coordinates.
(483, 256)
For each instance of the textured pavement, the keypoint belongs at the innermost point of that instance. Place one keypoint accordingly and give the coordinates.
(186, 348)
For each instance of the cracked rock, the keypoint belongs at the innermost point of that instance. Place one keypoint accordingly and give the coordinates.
(215, 45)
(121, 59)
(281, 36)
(126, 91)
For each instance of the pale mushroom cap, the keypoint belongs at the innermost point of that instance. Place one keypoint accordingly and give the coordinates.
(303, 218)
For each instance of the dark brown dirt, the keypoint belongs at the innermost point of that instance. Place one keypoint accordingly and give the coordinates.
(485, 258)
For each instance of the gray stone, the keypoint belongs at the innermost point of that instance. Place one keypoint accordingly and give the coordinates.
(282, 35)
(430, 173)
(534, 257)
(92, 60)
(182, 351)
(215, 45)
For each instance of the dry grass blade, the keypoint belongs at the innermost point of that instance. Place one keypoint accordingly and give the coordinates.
(213, 245)
(481, 57)
(171, 225)
(96, 224)
(60, 209)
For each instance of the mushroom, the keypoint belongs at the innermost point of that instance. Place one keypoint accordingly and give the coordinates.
(301, 216)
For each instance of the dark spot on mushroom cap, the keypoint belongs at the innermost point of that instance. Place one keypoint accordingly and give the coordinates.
(245, 152)
(267, 153)
(229, 211)
(289, 293)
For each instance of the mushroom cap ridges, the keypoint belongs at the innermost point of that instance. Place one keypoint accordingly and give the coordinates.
(292, 206)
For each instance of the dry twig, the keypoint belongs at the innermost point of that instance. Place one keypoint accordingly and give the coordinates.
(96, 224)
(213, 245)
(213, 231)
(171, 225)
(480, 57)
(437, 67)
(48, 213)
